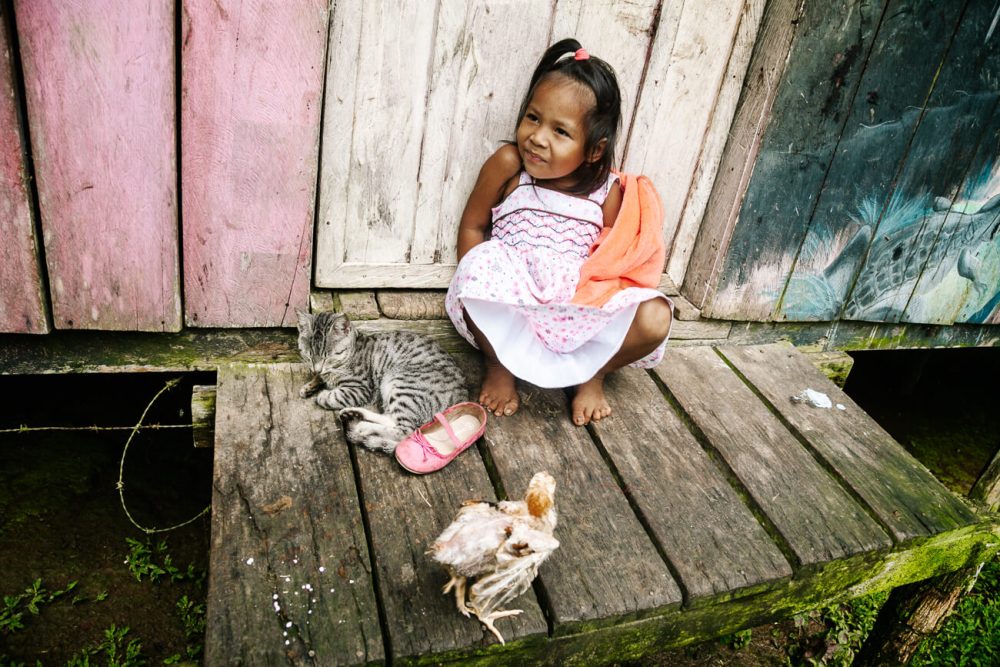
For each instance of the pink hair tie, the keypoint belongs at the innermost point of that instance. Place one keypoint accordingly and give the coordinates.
(581, 54)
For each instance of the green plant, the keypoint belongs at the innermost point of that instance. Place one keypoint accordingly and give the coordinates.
(142, 562)
(971, 635)
(112, 651)
(9, 662)
(192, 617)
(31, 601)
(738, 640)
(843, 628)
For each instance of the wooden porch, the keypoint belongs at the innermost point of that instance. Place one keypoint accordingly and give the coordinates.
(709, 502)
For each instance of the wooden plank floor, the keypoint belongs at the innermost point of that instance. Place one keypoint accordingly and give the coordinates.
(709, 501)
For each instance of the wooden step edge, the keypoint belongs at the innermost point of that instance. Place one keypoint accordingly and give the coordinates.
(831, 583)
(203, 415)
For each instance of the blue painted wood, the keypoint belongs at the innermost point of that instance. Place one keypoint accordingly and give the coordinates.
(812, 105)
(932, 219)
(914, 41)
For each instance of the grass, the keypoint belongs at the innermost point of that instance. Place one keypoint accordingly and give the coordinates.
(147, 561)
(192, 617)
(970, 636)
(142, 563)
(837, 634)
(30, 601)
(111, 651)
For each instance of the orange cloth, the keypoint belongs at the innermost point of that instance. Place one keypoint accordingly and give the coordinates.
(631, 252)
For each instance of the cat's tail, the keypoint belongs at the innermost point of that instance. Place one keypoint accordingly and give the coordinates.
(371, 430)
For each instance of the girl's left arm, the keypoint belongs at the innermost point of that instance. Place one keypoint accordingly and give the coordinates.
(612, 204)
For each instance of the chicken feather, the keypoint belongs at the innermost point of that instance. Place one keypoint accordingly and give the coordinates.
(502, 545)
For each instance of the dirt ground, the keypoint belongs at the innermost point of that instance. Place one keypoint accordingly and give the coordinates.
(61, 520)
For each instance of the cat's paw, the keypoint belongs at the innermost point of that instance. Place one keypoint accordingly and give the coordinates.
(326, 399)
(311, 387)
(348, 415)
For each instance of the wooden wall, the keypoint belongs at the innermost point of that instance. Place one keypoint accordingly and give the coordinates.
(874, 182)
(22, 307)
(252, 81)
(419, 96)
(176, 143)
(206, 164)
(99, 83)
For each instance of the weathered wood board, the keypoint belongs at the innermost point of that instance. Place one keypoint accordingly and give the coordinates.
(406, 513)
(921, 234)
(418, 97)
(606, 569)
(819, 255)
(718, 133)
(765, 72)
(815, 516)
(99, 82)
(250, 108)
(22, 306)
(896, 487)
(290, 581)
(809, 114)
(709, 536)
(359, 304)
(961, 285)
(619, 33)
(856, 202)
(687, 63)
(646, 493)
(412, 305)
(946, 292)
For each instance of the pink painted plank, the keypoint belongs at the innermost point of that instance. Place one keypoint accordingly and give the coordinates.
(99, 79)
(252, 76)
(22, 307)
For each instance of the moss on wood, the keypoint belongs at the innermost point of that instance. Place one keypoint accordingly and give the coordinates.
(809, 589)
(833, 364)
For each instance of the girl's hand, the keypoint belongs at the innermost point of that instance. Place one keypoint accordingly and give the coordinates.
(491, 186)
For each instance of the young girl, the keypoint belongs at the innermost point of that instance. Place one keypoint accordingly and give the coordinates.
(547, 197)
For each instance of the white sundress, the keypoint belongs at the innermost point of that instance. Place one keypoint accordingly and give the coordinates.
(518, 285)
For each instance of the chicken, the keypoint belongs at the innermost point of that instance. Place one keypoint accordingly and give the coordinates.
(501, 545)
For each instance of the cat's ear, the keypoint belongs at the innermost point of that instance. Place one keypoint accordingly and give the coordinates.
(305, 320)
(341, 324)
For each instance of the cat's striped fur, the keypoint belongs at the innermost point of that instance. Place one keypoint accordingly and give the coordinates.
(384, 385)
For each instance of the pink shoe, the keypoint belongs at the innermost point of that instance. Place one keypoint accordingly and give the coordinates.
(433, 445)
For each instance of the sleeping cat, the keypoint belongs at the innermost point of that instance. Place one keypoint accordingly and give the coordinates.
(385, 385)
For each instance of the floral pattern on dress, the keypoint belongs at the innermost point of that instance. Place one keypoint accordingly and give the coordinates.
(540, 239)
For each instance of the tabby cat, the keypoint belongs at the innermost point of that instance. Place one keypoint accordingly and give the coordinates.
(385, 385)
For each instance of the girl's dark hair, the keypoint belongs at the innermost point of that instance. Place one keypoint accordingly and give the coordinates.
(604, 118)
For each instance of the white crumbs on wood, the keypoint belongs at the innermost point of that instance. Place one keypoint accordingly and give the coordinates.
(817, 399)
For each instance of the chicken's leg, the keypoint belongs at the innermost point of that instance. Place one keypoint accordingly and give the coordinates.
(488, 619)
(458, 583)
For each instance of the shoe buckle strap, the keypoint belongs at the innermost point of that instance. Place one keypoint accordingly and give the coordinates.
(447, 427)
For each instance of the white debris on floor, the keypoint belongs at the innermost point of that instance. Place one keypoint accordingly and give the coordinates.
(817, 399)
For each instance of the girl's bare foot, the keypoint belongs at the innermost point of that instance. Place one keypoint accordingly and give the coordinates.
(589, 402)
(499, 393)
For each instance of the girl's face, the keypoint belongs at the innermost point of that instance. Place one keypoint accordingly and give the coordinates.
(552, 134)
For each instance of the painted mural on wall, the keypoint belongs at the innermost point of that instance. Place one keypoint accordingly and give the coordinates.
(870, 197)
(923, 248)
(943, 253)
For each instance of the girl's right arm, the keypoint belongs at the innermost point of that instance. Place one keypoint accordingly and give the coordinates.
(491, 186)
